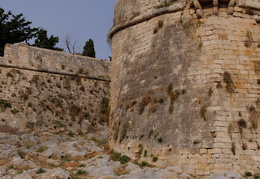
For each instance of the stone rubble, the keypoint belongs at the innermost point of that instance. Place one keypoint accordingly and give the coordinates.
(51, 156)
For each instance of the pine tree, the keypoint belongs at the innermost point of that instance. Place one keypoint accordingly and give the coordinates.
(89, 49)
(43, 41)
(14, 29)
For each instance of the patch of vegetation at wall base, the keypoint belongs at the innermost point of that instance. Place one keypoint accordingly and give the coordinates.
(144, 164)
(115, 156)
(81, 172)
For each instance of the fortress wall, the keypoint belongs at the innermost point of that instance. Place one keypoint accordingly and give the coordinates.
(186, 91)
(24, 56)
(45, 90)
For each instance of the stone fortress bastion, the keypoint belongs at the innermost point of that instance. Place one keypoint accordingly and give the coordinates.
(185, 84)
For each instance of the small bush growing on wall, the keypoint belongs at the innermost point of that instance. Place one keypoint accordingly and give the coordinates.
(242, 123)
(160, 140)
(4, 104)
(145, 101)
(249, 39)
(30, 125)
(104, 106)
(124, 130)
(155, 159)
(249, 11)
(228, 80)
(244, 146)
(21, 153)
(165, 3)
(203, 112)
(248, 174)
(233, 148)
(40, 170)
(257, 102)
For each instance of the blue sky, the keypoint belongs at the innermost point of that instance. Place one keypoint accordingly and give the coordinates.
(81, 19)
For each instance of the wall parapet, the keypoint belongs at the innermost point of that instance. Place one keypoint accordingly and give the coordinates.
(147, 16)
(30, 58)
(159, 9)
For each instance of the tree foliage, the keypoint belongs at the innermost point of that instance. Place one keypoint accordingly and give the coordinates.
(13, 29)
(89, 49)
(43, 41)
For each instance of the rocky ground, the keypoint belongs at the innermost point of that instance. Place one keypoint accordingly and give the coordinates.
(66, 156)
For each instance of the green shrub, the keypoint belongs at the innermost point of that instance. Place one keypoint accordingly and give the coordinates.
(104, 106)
(256, 176)
(228, 80)
(81, 172)
(150, 133)
(40, 170)
(160, 140)
(165, 3)
(203, 112)
(124, 159)
(144, 164)
(14, 111)
(71, 134)
(169, 89)
(155, 159)
(41, 149)
(124, 130)
(248, 174)
(145, 153)
(30, 125)
(21, 153)
(4, 104)
(115, 156)
(74, 110)
(145, 101)
(233, 148)
(161, 100)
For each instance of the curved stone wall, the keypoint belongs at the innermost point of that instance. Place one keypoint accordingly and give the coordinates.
(185, 90)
